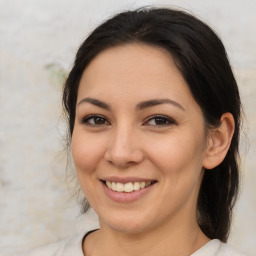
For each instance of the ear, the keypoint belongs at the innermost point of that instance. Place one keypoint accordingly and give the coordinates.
(219, 141)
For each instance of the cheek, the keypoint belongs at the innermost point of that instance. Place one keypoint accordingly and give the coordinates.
(87, 154)
(178, 153)
(87, 151)
(179, 161)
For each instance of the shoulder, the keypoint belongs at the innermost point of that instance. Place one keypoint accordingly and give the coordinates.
(226, 250)
(67, 247)
(217, 248)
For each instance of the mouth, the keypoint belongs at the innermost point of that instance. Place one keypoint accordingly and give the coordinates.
(128, 187)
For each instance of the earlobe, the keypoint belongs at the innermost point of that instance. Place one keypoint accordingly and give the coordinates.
(219, 141)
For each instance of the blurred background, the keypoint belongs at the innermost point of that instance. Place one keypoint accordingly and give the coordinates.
(38, 41)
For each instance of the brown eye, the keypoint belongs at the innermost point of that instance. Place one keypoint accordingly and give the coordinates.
(98, 120)
(95, 121)
(160, 121)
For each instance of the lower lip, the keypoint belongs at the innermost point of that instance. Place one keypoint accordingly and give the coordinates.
(124, 197)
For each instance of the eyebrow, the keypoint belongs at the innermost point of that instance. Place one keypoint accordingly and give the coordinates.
(155, 102)
(142, 105)
(95, 102)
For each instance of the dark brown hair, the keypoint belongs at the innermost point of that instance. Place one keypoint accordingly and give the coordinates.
(202, 60)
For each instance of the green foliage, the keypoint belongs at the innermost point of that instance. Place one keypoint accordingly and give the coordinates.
(57, 74)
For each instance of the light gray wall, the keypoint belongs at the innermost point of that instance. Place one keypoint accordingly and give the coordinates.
(38, 40)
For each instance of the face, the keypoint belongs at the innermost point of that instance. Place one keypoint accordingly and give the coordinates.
(139, 140)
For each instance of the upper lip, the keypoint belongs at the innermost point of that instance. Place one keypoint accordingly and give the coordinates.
(126, 179)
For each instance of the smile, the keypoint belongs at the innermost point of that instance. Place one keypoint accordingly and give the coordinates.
(127, 187)
(127, 190)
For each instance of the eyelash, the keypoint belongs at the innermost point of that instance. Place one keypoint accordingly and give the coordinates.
(86, 119)
(168, 121)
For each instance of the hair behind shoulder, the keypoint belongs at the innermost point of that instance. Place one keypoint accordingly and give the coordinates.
(202, 60)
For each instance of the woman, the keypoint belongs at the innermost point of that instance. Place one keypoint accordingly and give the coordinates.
(154, 119)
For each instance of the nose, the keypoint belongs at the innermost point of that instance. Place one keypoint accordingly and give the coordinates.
(124, 148)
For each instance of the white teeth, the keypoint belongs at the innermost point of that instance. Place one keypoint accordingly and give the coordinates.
(113, 185)
(119, 187)
(136, 185)
(127, 187)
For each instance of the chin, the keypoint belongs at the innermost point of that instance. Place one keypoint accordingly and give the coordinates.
(129, 229)
(127, 225)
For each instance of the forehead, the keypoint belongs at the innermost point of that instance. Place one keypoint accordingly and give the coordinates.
(142, 56)
(133, 70)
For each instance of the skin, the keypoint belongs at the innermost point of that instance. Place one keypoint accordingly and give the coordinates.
(128, 141)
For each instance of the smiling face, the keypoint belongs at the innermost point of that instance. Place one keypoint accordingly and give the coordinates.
(139, 140)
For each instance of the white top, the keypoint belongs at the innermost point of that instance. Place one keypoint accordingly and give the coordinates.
(73, 247)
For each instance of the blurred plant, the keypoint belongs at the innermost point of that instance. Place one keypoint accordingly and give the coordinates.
(57, 74)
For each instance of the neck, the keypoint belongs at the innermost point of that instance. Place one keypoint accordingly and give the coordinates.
(178, 239)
